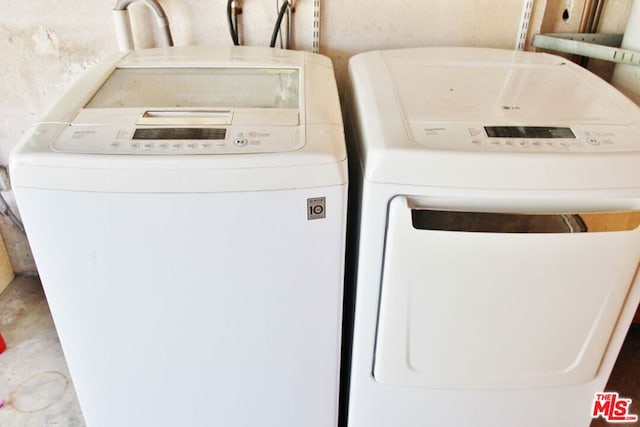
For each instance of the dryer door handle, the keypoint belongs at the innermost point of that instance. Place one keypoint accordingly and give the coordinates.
(500, 222)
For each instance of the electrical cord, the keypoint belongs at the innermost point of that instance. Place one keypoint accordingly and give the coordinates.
(281, 44)
(6, 210)
(233, 28)
(276, 28)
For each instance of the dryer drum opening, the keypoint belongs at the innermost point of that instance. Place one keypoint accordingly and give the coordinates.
(492, 222)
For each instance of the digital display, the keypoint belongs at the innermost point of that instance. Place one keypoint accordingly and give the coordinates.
(180, 133)
(528, 132)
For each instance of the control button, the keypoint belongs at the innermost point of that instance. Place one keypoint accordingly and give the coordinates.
(192, 145)
(134, 145)
(496, 145)
(114, 145)
(163, 145)
(591, 140)
(508, 144)
(476, 143)
(251, 134)
(240, 142)
(549, 145)
(122, 134)
(536, 144)
(148, 146)
(522, 144)
(176, 145)
(207, 145)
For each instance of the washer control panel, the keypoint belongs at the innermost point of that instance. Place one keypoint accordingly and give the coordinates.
(179, 140)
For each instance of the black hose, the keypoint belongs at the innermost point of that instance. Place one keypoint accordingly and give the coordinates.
(233, 30)
(276, 28)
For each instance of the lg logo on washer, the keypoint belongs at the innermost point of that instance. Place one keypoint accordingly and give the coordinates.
(316, 208)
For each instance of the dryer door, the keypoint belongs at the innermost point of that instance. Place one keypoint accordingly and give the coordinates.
(495, 300)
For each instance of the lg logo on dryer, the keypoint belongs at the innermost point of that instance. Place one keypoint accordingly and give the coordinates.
(316, 208)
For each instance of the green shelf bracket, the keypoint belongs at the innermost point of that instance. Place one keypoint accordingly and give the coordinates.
(598, 46)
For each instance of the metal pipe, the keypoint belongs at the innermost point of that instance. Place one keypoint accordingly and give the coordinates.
(289, 33)
(289, 41)
(589, 22)
(123, 23)
(590, 16)
(597, 16)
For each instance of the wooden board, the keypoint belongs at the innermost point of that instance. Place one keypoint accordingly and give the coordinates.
(6, 271)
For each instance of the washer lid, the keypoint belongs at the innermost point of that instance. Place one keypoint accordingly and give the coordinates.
(191, 119)
(200, 87)
(180, 109)
(489, 118)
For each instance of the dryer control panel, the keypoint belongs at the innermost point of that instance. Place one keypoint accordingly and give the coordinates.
(525, 139)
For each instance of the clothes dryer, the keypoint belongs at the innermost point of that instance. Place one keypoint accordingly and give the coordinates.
(498, 243)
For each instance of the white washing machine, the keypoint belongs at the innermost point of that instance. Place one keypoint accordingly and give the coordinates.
(186, 208)
(498, 237)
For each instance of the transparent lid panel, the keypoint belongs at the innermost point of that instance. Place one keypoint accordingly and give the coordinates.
(199, 87)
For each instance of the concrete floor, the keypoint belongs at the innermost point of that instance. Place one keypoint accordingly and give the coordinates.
(37, 389)
(34, 380)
